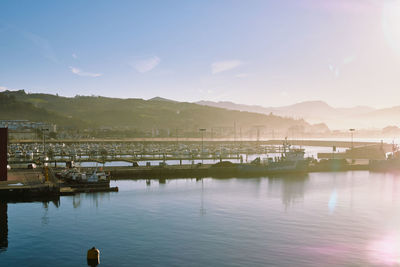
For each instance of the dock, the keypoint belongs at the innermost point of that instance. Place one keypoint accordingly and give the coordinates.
(215, 141)
(28, 185)
(368, 152)
(70, 191)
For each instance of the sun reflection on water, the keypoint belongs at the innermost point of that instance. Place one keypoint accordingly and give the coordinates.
(332, 201)
(385, 251)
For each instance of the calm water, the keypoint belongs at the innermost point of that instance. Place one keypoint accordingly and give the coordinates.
(323, 219)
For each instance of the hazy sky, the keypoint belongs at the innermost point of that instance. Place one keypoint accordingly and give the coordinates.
(345, 52)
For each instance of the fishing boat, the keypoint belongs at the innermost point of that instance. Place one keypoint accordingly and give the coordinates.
(74, 175)
(97, 176)
(391, 163)
(291, 160)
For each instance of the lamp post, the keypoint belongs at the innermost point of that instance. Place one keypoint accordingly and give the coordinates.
(177, 139)
(44, 130)
(202, 130)
(351, 132)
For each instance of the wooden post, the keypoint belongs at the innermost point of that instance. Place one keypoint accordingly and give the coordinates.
(3, 225)
(3, 153)
(46, 173)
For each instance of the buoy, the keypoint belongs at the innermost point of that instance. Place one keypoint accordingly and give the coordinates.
(93, 257)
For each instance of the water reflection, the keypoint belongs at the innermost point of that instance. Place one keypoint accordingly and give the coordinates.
(3, 226)
(95, 198)
(385, 251)
(320, 219)
(76, 201)
(332, 201)
(45, 217)
(202, 209)
(4, 220)
(290, 188)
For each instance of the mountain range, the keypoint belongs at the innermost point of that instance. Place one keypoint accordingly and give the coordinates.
(84, 112)
(320, 112)
(97, 112)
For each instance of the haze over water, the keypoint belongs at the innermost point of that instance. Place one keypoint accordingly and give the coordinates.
(321, 219)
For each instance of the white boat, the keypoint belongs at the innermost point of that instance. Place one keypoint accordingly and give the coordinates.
(97, 176)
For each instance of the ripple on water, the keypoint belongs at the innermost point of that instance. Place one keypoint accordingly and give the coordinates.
(322, 219)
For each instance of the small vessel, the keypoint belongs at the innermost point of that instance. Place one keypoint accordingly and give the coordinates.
(97, 176)
(74, 175)
(392, 163)
(291, 160)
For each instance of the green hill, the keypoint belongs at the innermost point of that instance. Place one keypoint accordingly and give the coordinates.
(13, 109)
(96, 112)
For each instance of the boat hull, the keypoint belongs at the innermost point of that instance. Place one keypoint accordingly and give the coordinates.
(385, 165)
(273, 167)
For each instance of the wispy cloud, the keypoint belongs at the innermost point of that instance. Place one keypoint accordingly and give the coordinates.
(44, 45)
(243, 75)
(284, 94)
(208, 91)
(74, 56)
(226, 65)
(335, 70)
(146, 64)
(349, 59)
(353, 6)
(83, 73)
(4, 88)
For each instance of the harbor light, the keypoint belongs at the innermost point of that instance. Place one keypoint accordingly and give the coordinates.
(351, 132)
(202, 130)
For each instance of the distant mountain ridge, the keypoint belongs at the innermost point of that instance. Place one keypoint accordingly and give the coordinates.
(158, 98)
(133, 113)
(318, 112)
(159, 112)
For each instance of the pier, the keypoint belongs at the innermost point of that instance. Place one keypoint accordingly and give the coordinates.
(27, 185)
(212, 141)
(43, 182)
(129, 159)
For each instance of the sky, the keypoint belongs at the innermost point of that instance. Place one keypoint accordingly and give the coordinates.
(266, 52)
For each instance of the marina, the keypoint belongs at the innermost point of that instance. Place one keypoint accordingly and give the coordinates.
(200, 133)
(144, 180)
(66, 169)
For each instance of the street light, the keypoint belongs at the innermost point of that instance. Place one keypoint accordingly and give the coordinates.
(44, 130)
(202, 130)
(352, 131)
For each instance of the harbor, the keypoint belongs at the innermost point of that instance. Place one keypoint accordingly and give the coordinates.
(34, 185)
(200, 133)
(28, 184)
(60, 167)
(56, 169)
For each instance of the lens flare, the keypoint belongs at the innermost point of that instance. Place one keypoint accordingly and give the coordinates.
(391, 24)
(332, 201)
(385, 251)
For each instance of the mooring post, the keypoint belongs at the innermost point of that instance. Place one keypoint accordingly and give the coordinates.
(3, 153)
(3, 226)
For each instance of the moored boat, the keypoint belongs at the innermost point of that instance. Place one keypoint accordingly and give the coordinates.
(291, 160)
(392, 163)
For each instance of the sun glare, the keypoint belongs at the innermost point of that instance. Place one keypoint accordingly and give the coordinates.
(391, 24)
(385, 251)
